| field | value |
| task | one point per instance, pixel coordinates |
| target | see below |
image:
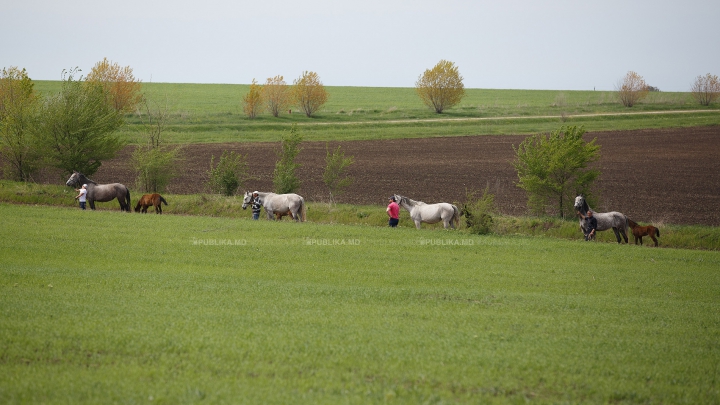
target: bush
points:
(284, 178)
(229, 174)
(478, 212)
(156, 167)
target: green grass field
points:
(213, 113)
(106, 307)
(673, 236)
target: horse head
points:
(247, 199)
(74, 180)
(580, 203)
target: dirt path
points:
(666, 176)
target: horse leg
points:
(92, 204)
(617, 234)
(652, 236)
(417, 224)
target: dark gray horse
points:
(101, 192)
(605, 220)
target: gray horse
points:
(430, 213)
(101, 192)
(605, 220)
(279, 203)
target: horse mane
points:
(632, 223)
(586, 207)
(86, 179)
(409, 200)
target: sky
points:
(501, 44)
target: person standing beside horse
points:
(590, 225)
(82, 196)
(256, 206)
(393, 211)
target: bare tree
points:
(706, 89)
(631, 89)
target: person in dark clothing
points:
(255, 205)
(590, 225)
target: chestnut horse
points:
(150, 199)
(279, 215)
(640, 231)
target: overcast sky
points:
(500, 44)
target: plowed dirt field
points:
(669, 176)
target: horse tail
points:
(303, 210)
(163, 200)
(657, 231)
(456, 216)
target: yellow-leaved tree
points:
(122, 89)
(631, 89)
(309, 93)
(253, 100)
(276, 94)
(441, 87)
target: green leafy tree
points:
(253, 100)
(309, 93)
(285, 179)
(441, 87)
(335, 177)
(229, 174)
(154, 162)
(78, 127)
(554, 169)
(18, 113)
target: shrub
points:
(706, 89)
(229, 174)
(479, 211)
(631, 89)
(284, 178)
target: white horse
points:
(605, 220)
(430, 213)
(279, 203)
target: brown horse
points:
(640, 231)
(150, 199)
(279, 215)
